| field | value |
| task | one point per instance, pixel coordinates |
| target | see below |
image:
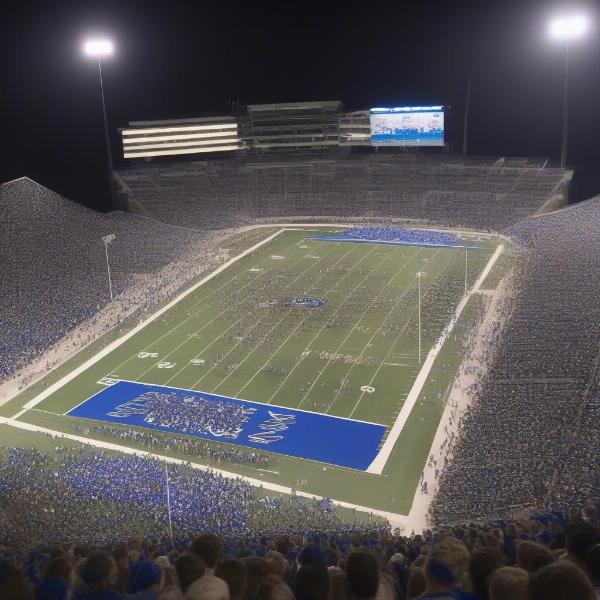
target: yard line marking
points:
(367, 309)
(383, 455)
(191, 316)
(300, 359)
(295, 329)
(229, 307)
(412, 371)
(51, 389)
(391, 311)
(263, 319)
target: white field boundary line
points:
(300, 323)
(192, 315)
(265, 317)
(393, 518)
(245, 315)
(459, 398)
(382, 457)
(285, 226)
(118, 342)
(323, 327)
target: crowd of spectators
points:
(531, 438)
(401, 234)
(185, 446)
(448, 190)
(90, 497)
(547, 556)
(53, 270)
(193, 413)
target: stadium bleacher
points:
(516, 515)
(442, 189)
(531, 438)
(53, 270)
(225, 541)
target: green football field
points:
(238, 335)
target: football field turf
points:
(296, 327)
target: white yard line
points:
(191, 316)
(259, 321)
(300, 359)
(229, 306)
(259, 371)
(382, 457)
(391, 311)
(393, 518)
(367, 309)
(118, 342)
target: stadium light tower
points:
(100, 48)
(565, 29)
(107, 239)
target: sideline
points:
(395, 520)
(378, 464)
(108, 349)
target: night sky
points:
(178, 59)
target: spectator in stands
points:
(593, 567)
(482, 563)
(531, 556)
(121, 556)
(274, 588)
(581, 539)
(312, 583)
(59, 581)
(364, 577)
(233, 572)
(98, 573)
(208, 587)
(257, 570)
(509, 582)
(209, 548)
(446, 568)
(561, 580)
(189, 568)
(13, 583)
(148, 581)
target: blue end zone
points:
(288, 431)
(390, 242)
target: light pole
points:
(100, 48)
(466, 268)
(107, 239)
(419, 275)
(565, 29)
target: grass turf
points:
(255, 346)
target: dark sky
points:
(180, 59)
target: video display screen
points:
(407, 126)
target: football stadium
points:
(310, 352)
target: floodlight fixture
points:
(98, 47)
(569, 27)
